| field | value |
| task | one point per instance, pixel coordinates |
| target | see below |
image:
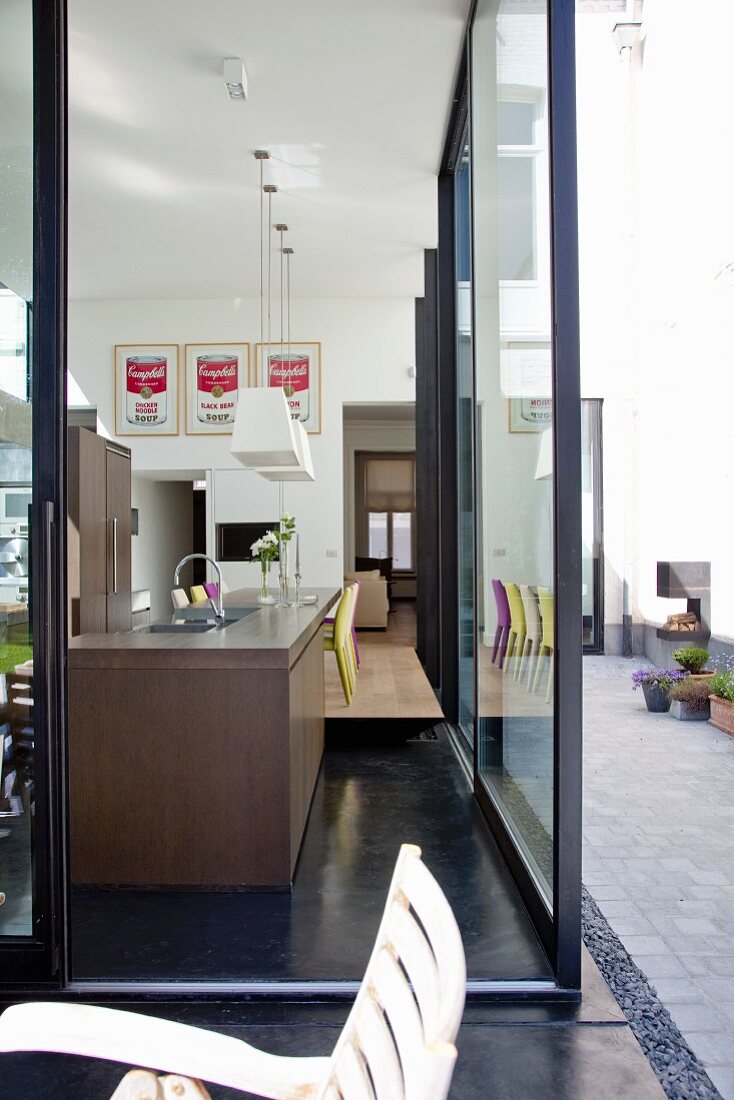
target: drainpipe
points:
(626, 37)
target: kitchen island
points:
(194, 752)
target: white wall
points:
(165, 524)
(367, 347)
(657, 293)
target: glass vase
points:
(283, 581)
(265, 595)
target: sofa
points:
(372, 605)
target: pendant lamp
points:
(263, 433)
(304, 470)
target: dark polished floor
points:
(521, 1051)
(367, 802)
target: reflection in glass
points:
(591, 529)
(511, 279)
(16, 644)
(465, 439)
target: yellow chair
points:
(548, 640)
(338, 640)
(198, 593)
(518, 628)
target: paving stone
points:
(711, 1047)
(696, 1017)
(723, 1078)
(639, 946)
(674, 991)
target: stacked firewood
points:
(684, 622)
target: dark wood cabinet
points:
(99, 534)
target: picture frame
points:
(306, 368)
(146, 390)
(530, 414)
(214, 373)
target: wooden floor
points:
(391, 681)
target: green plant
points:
(691, 657)
(287, 526)
(693, 692)
(722, 682)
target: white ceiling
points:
(351, 97)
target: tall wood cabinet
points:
(99, 534)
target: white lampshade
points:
(264, 434)
(304, 470)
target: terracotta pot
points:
(722, 715)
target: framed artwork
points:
(215, 373)
(530, 414)
(296, 367)
(146, 389)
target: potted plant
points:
(692, 659)
(721, 687)
(689, 700)
(655, 684)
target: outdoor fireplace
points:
(690, 581)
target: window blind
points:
(389, 484)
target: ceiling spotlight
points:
(235, 77)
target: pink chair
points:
(211, 589)
(503, 622)
(330, 619)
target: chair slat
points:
(138, 1084)
(378, 1047)
(436, 916)
(183, 1088)
(351, 1074)
(396, 998)
(414, 952)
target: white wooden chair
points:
(397, 1042)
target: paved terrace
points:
(659, 853)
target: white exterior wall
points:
(657, 293)
(367, 347)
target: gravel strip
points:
(677, 1068)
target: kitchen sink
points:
(178, 628)
(204, 613)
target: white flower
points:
(256, 547)
(270, 539)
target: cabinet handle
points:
(114, 556)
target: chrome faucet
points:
(218, 610)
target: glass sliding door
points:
(17, 688)
(465, 442)
(30, 460)
(514, 392)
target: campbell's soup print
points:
(216, 388)
(293, 373)
(146, 385)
